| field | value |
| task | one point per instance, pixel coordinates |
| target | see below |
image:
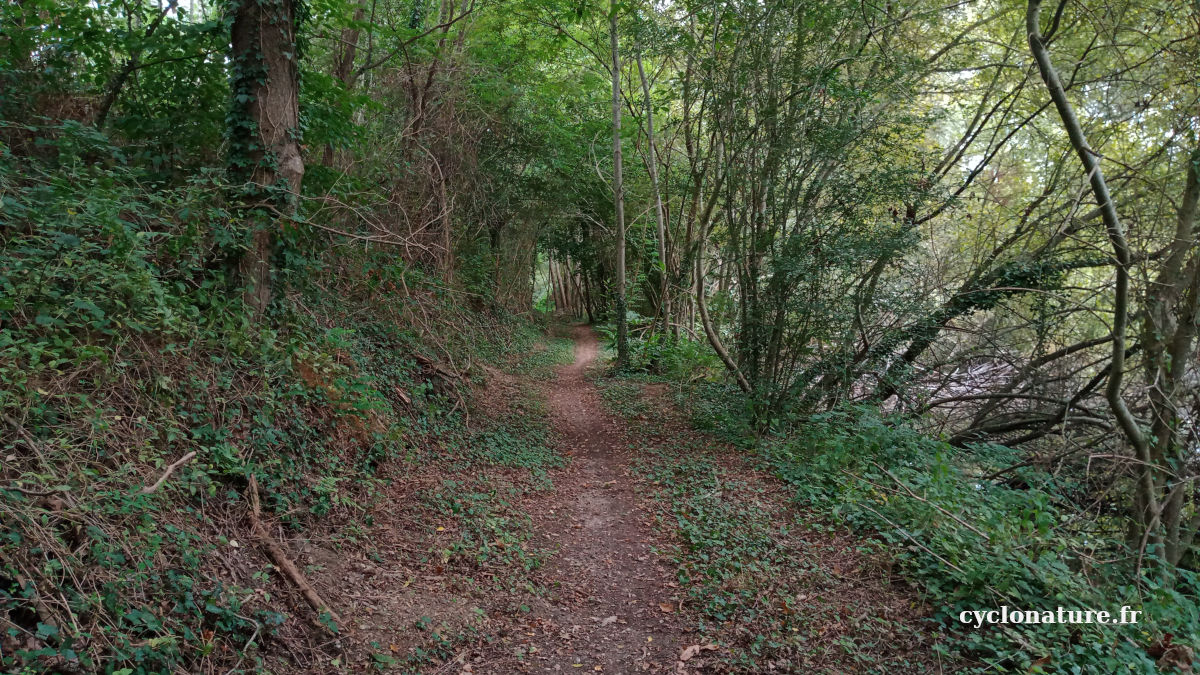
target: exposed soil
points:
(615, 598)
(606, 598)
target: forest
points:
(523, 336)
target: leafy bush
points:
(720, 408)
(975, 544)
(124, 346)
(675, 358)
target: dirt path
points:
(612, 592)
(607, 564)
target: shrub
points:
(973, 543)
(124, 346)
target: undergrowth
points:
(124, 347)
(974, 543)
(751, 581)
(540, 361)
(966, 541)
(496, 464)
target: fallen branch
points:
(452, 379)
(167, 474)
(282, 561)
(36, 493)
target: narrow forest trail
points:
(808, 597)
(611, 587)
(635, 533)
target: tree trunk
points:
(618, 192)
(265, 154)
(713, 339)
(587, 300)
(343, 65)
(577, 285)
(1168, 335)
(664, 299)
(1147, 509)
(113, 90)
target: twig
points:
(167, 474)
(912, 539)
(919, 498)
(282, 561)
(36, 493)
(242, 656)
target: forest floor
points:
(640, 546)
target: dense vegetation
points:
(935, 266)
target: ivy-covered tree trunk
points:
(265, 161)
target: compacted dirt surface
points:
(588, 578)
(615, 597)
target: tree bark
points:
(343, 65)
(710, 333)
(1169, 333)
(1147, 509)
(664, 299)
(618, 192)
(265, 155)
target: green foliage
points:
(482, 527)
(490, 530)
(123, 347)
(519, 438)
(721, 409)
(752, 578)
(444, 644)
(675, 358)
(623, 396)
(728, 543)
(838, 143)
(973, 544)
(539, 356)
(503, 447)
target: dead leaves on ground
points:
(687, 654)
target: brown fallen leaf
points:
(1037, 664)
(689, 652)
